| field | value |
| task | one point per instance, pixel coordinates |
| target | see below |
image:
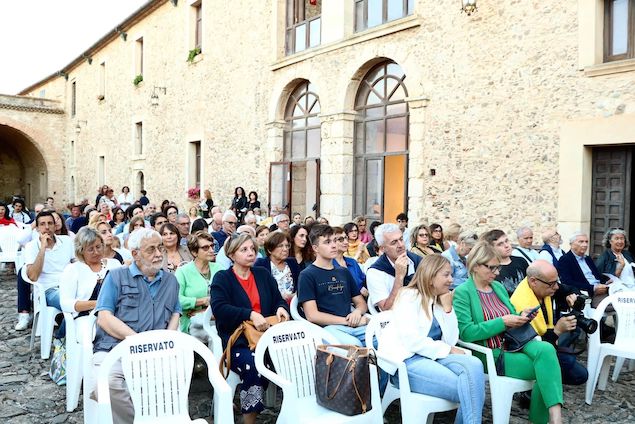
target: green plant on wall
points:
(137, 79)
(193, 53)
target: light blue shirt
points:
(588, 274)
(459, 269)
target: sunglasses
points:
(206, 247)
(492, 268)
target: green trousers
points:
(537, 361)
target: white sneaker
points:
(24, 320)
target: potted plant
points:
(193, 53)
(193, 193)
(137, 80)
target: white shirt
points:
(78, 282)
(380, 284)
(533, 255)
(547, 257)
(123, 198)
(407, 332)
(55, 259)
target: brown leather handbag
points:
(251, 334)
(342, 378)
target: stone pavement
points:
(27, 395)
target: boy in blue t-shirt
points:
(326, 292)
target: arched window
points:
(381, 143)
(294, 183)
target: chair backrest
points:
(624, 304)
(9, 243)
(292, 346)
(157, 367)
(294, 307)
(371, 306)
(377, 323)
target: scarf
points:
(524, 298)
(352, 250)
(8, 221)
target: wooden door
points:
(610, 202)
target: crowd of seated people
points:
(442, 286)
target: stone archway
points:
(24, 170)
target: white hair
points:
(280, 217)
(575, 235)
(521, 231)
(137, 236)
(383, 229)
(228, 214)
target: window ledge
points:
(609, 68)
(407, 22)
(138, 157)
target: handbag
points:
(57, 371)
(248, 329)
(514, 340)
(342, 378)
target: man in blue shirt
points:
(134, 299)
(326, 292)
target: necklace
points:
(205, 274)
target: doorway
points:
(612, 191)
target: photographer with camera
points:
(542, 288)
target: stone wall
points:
(487, 94)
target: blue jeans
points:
(53, 299)
(348, 335)
(457, 378)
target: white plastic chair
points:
(598, 362)
(371, 307)
(294, 307)
(43, 316)
(502, 388)
(9, 244)
(216, 346)
(294, 363)
(159, 379)
(415, 407)
(76, 331)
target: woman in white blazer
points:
(423, 334)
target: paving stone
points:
(8, 411)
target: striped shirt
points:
(493, 308)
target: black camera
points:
(587, 325)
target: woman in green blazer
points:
(484, 312)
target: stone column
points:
(337, 167)
(416, 160)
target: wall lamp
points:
(78, 127)
(154, 98)
(468, 6)
(122, 34)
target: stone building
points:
(520, 113)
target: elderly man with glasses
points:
(183, 225)
(542, 288)
(133, 299)
(229, 226)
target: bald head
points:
(542, 277)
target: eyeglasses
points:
(172, 213)
(232, 223)
(437, 231)
(492, 268)
(548, 283)
(284, 246)
(150, 250)
(206, 247)
(283, 220)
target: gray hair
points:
(606, 241)
(183, 215)
(383, 229)
(280, 217)
(575, 235)
(84, 238)
(250, 218)
(227, 215)
(468, 237)
(246, 229)
(138, 236)
(521, 230)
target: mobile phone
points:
(534, 310)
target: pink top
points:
(365, 237)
